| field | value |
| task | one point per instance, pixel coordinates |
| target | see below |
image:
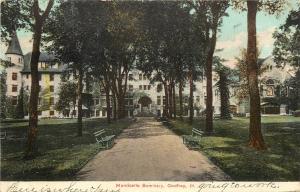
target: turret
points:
(14, 52)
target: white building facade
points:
(144, 98)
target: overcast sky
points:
(232, 38)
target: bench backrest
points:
(99, 133)
(197, 132)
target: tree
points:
(20, 106)
(72, 32)
(67, 97)
(3, 64)
(225, 80)
(3, 94)
(27, 14)
(255, 136)
(287, 41)
(210, 13)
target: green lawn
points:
(62, 154)
(228, 148)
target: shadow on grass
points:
(228, 149)
(62, 153)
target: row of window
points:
(141, 77)
(186, 99)
(144, 87)
(45, 100)
(20, 60)
(47, 65)
(14, 100)
(14, 76)
(15, 88)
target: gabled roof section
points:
(14, 46)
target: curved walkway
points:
(148, 151)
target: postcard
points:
(119, 96)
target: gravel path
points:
(148, 151)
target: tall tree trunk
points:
(224, 96)
(180, 100)
(32, 148)
(79, 103)
(255, 136)
(174, 100)
(34, 93)
(209, 100)
(107, 92)
(121, 107)
(170, 100)
(166, 107)
(114, 107)
(191, 100)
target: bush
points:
(297, 113)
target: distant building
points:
(143, 98)
(271, 84)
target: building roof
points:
(14, 46)
(44, 57)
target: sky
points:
(232, 37)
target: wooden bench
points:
(106, 141)
(192, 140)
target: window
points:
(141, 87)
(14, 100)
(51, 100)
(27, 88)
(40, 101)
(103, 112)
(270, 91)
(164, 100)
(130, 87)
(39, 112)
(130, 77)
(40, 77)
(158, 100)
(140, 77)
(145, 87)
(51, 113)
(27, 76)
(51, 77)
(14, 88)
(9, 59)
(159, 88)
(186, 99)
(145, 77)
(216, 92)
(149, 87)
(40, 88)
(198, 98)
(14, 76)
(97, 101)
(20, 60)
(51, 88)
(97, 113)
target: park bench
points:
(192, 140)
(106, 141)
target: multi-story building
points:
(143, 97)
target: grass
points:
(62, 153)
(228, 148)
